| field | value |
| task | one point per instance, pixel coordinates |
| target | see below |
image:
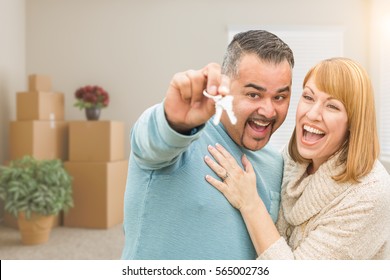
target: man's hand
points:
(185, 105)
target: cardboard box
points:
(98, 193)
(96, 141)
(39, 82)
(40, 139)
(39, 105)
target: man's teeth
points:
(312, 130)
(259, 123)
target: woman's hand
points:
(237, 185)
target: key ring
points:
(213, 97)
(222, 103)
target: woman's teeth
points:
(313, 130)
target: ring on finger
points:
(224, 177)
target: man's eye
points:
(253, 95)
(280, 97)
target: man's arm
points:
(164, 131)
(154, 143)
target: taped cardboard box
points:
(39, 82)
(39, 105)
(96, 141)
(98, 193)
(40, 139)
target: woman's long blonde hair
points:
(347, 81)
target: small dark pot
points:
(92, 114)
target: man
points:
(171, 212)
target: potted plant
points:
(92, 99)
(35, 191)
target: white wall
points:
(132, 48)
(12, 65)
(379, 42)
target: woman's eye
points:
(334, 107)
(307, 97)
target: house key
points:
(222, 103)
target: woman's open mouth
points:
(311, 135)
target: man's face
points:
(261, 98)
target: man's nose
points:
(267, 108)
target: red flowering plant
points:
(91, 97)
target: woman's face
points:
(321, 125)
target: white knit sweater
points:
(322, 219)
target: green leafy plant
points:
(30, 185)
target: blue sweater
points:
(170, 211)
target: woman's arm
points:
(239, 187)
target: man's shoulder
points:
(268, 157)
(271, 152)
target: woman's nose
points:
(315, 112)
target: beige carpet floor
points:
(64, 244)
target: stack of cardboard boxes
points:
(97, 165)
(39, 129)
(92, 151)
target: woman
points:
(335, 199)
